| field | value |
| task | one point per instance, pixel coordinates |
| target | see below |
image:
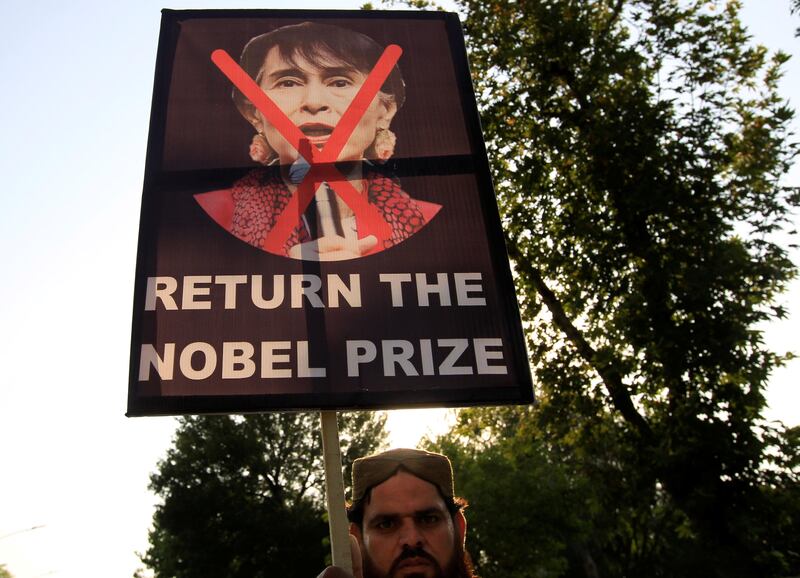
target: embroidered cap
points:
(372, 470)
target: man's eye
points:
(385, 524)
(429, 519)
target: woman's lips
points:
(317, 133)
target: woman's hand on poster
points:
(333, 248)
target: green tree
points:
(242, 496)
(4, 572)
(795, 9)
(638, 149)
(528, 514)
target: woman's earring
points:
(260, 151)
(384, 144)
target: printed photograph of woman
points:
(312, 72)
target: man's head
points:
(406, 518)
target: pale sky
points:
(75, 109)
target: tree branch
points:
(620, 396)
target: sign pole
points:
(334, 492)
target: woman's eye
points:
(287, 83)
(340, 83)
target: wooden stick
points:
(334, 492)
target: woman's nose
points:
(314, 98)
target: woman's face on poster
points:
(314, 96)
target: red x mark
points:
(370, 221)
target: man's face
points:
(407, 531)
(315, 95)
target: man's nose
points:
(314, 98)
(410, 534)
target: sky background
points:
(74, 111)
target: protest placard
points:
(319, 228)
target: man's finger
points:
(335, 572)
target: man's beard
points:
(453, 569)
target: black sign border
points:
(364, 400)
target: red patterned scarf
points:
(261, 195)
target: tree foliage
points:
(526, 509)
(795, 9)
(242, 496)
(638, 148)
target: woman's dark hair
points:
(317, 42)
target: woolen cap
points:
(372, 470)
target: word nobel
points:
(201, 291)
(282, 359)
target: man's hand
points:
(333, 248)
(334, 572)
(355, 555)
